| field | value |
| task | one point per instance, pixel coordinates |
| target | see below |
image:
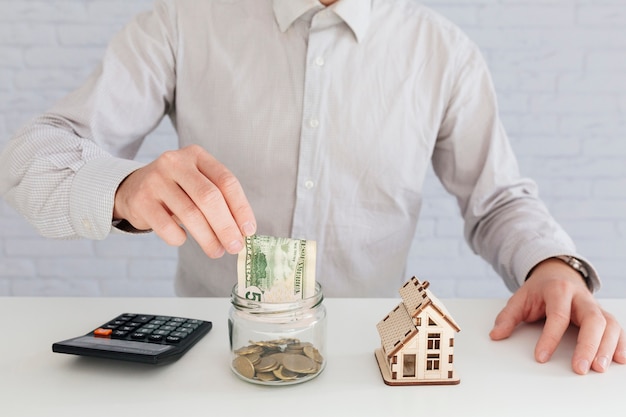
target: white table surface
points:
(497, 378)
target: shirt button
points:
(314, 123)
(86, 224)
(319, 61)
(309, 184)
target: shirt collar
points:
(355, 13)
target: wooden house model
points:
(417, 340)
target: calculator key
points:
(145, 331)
(102, 332)
(138, 336)
(173, 339)
(181, 335)
(184, 330)
(119, 334)
(156, 337)
(143, 319)
(161, 332)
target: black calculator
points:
(145, 338)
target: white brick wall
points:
(560, 70)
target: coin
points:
(313, 353)
(299, 363)
(248, 350)
(254, 357)
(298, 345)
(266, 364)
(278, 356)
(266, 376)
(285, 374)
(244, 367)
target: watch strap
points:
(577, 265)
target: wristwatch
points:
(577, 265)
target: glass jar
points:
(277, 343)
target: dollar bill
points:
(275, 269)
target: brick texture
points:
(560, 71)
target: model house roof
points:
(399, 326)
(416, 296)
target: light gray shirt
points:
(329, 117)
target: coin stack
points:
(278, 361)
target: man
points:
(327, 114)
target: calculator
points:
(146, 338)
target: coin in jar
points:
(285, 374)
(266, 376)
(299, 363)
(313, 353)
(244, 367)
(266, 364)
(249, 350)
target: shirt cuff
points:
(93, 195)
(540, 254)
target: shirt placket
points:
(312, 132)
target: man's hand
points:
(556, 292)
(187, 188)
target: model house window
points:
(434, 341)
(431, 322)
(432, 362)
(408, 369)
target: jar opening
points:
(255, 306)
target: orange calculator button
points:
(102, 333)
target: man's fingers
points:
(590, 334)
(557, 322)
(620, 350)
(162, 223)
(191, 189)
(185, 212)
(609, 344)
(508, 319)
(211, 190)
(173, 210)
(208, 203)
(218, 195)
(231, 190)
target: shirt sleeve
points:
(505, 222)
(61, 171)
